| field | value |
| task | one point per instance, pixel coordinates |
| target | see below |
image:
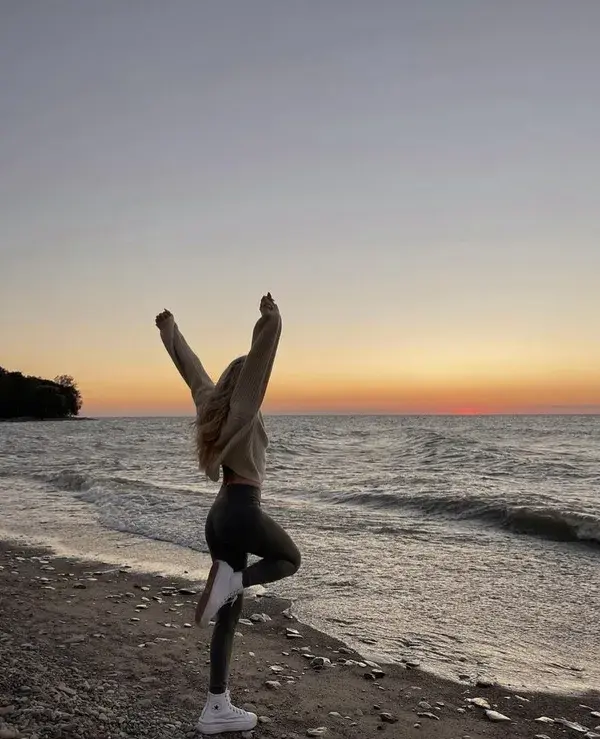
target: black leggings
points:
(235, 527)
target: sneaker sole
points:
(200, 617)
(231, 726)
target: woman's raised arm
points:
(188, 364)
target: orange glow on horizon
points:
(157, 397)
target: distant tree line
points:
(33, 397)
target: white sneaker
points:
(222, 586)
(219, 715)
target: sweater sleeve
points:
(188, 364)
(251, 386)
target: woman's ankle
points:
(217, 691)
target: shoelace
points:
(235, 709)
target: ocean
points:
(468, 544)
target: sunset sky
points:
(415, 182)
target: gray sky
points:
(416, 182)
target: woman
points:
(230, 436)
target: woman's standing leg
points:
(221, 642)
(221, 645)
(219, 715)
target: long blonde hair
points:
(213, 414)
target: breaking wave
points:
(550, 523)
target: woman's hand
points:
(163, 318)
(267, 305)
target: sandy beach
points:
(96, 651)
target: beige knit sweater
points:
(244, 441)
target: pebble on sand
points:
(258, 618)
(573, 725)
(496, 717)
(428, 714)
(388, 718)
(319, 731)
(319, 662)
(480, 702)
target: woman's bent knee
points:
(295, 561)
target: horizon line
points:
(406, 414)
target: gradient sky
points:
(416, 183)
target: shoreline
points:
(96, 651)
